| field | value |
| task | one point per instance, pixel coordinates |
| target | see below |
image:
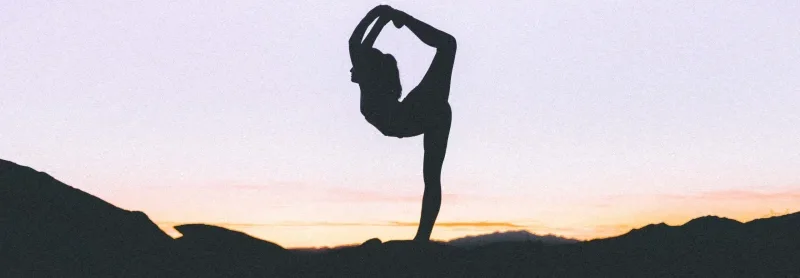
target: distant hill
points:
(509, 237)
(49, 229)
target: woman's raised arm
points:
(361, 28)
(375, 31)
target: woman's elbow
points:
(449, 42)
(354, 42)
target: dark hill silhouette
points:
(712, 222)
(236, 253)
(508, 237)
(215, 239)
(49, 229)
(56, 230)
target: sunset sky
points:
(581, 119)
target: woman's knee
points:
(433, 185)
(447, 112)
(440, 117)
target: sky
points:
(581, 119)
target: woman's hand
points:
(399, 18)
(382, 10)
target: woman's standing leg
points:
(437, 131)
(429, 100)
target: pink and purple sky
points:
(582, 119)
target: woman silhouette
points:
(424, 111)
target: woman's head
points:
(377, 70)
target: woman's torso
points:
(379, 108)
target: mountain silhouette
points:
(219, 240)
(508, 237)
(49, 229)
(56, 230)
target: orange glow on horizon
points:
(446, 230)
(333, 217)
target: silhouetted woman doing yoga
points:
(425, 109)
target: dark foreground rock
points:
(49, 229)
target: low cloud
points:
(738, 195)
(478, 224)
(324, 193)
